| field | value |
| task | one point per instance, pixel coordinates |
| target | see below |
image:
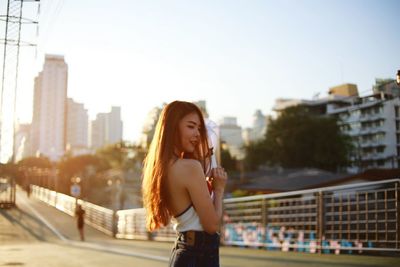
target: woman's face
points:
(189, 129)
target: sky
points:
(238, 56)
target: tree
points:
(83, 166)
(121, 155)
(8, 170)
(38, 162)
(228, 161)
(70, 166)
(256, 154)
(31, 170)
(300, 139)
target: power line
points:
(49, 16)
(9, 81)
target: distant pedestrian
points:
(28, 191)
(80, 219)
(175, 186)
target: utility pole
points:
(8, 97)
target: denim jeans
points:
(203, 252)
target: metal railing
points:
(7, 192)
(96, 216)
(363, 216)
(128, 224)
(354, 217)
(132, 225)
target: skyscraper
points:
(107, 128)
(115, 122)
(49, 108)
(77, 125)
(231, 135)
(22, 147)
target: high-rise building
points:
(98, 130)
(48, 130)
(258, 129)
(203, 107)
(107, 128)
(22, 147)
(231, 136)
(149, 126)
(115, 122)
(77, 125)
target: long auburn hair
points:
(162, 148)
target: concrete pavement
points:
(42, 254)
(35, 234)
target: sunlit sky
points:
(239, 56)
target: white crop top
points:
(188, 220)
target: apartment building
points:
(372, 121)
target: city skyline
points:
(237, 57)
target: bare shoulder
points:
(184, 167)
(187, 163)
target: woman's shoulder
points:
(186, 166)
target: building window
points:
(356, 113)
(356, 126)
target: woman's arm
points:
(210, 212)
(219, 179)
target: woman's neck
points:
(178, 154)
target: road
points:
(35, 234)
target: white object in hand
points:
(213, 140)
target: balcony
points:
(373, 143)
(372, 156)
(372, 117)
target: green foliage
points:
(228, 161)
(71, 166)
(38, 162)
(83, 166)
(240, 193)
(89, 168)
(121, 155)
(299, 139)
(8, 170)
(256, 154)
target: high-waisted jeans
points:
(195, 249)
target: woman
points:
(175, 186)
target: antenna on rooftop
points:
(316, 96)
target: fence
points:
(96, 216)
(7, 192)
(128, 224)
(356, 217)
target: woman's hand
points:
(219, 179)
